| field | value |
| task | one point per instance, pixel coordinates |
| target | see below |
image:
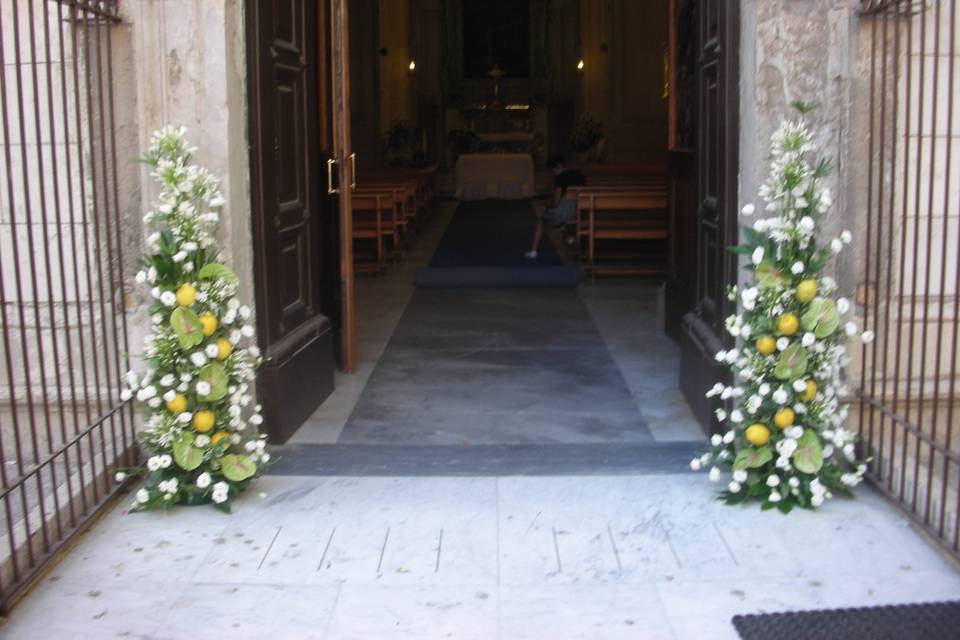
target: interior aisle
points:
(489, 369)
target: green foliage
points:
(237, 467)
(821, 317)
(186, 324)
(808, 457)
(214, 374)
(218, 270)
(185, 454)
(792, 362)
(586, 134)
(752, 457)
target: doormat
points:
(484, 246)
(933, 621)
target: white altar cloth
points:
(505, 176)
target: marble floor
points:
(512, 558)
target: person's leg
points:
(537, 236)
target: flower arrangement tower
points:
(202, 441)
(786, 444)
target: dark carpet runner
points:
(484, 246)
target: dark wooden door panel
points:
(702, 329)
(289, 209)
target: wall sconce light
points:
(580, 65)
(412, 66)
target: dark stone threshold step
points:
(522, 277)
(484, 460)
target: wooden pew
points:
(622, 215)
(368, 212)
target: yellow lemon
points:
(766, 345)
(806, 291)
(788, 324)
(224, 348)
(758, 435)
(186, 294)
(784, 418)
(203, 420)
(810, 392)
(178, 404)
(209, 323)
(217, 437)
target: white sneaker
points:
(530, 254)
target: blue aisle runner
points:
(484, 245)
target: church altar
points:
(505, 176)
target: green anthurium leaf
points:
(769, 276)
(752, 458)
(808, 457)
(237, 468)
(792, 362)
(821, 317)
(185, 454)
(214, 374)
(215, 271)
(186, 324)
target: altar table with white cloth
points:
(506, 176)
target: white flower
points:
(715, 390)
(734, 487)
(120, 477)
(795, 432)
(198, 358)
(808, 339)
(185, 417)
(773, 481)
(153, 403)
(142, 496)
(783, 462)
(203, 388)
(695, 464)
(786, 447)
(201, 441)
(848, 451)
(211, 350)
(867, 337)
(169, 395)
(794, 482)
(152, 275)
(774, 496)
(167, 380)
(780, 396)
(782, 343)
(757, 256)
(221, 486)
(254, 351)
(716, 440)
(843, 305)
(247, 330)
(244, 312)
(799, 385)
(729, 436)
(165, 461)
(189, 246)
(188, 268)
(125, 394)
(797, 268)
(736, 415)
(153, 463)
(846, 237)
(204, 480)
(806, 224)
(748, 209)
(816, 500)
(265, 457)
(721, 415)
(850, 328)
(168, 298)
(141, 277)
(836, 245)
(740, 475)
(179, 256)
(714, 474)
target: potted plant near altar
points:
(462, 140)
(587, 141)
(403, 145)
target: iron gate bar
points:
(39, 519)
(918, 434)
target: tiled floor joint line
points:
(556, 550)
(269, 547)
(726, 544)
(383, 549)
(436, 568)
(616, 553)
(326, 549)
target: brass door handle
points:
(330, 164)
(353, 171)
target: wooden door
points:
(295, 263)
(715, 223)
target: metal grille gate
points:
(63, 333)
(908, 381)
